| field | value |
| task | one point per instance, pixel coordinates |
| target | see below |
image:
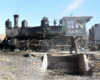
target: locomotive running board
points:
(65, 61)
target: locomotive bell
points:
(16, 21)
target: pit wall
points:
(83, 63)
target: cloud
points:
(72, 6)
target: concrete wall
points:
(83, 63)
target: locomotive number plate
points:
(74, 31)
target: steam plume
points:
(72, 6)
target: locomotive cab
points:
(75, 25)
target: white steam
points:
(72, 6)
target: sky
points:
(34, 10)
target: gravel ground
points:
(15, 66)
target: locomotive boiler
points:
(44, 36)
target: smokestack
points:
(16, 21)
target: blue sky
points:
(34, 10)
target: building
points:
(3, 36)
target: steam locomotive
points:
(44, 36)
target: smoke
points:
(72, 6)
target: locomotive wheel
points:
(45, 45)
(21, 45)
(34, 45)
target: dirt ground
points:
(17, 66)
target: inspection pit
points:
(72, 64)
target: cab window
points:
(79, 24)
(63, 23)
(70, 24)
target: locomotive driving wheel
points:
(34, 45)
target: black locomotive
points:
(94, 37)
(44, 36)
